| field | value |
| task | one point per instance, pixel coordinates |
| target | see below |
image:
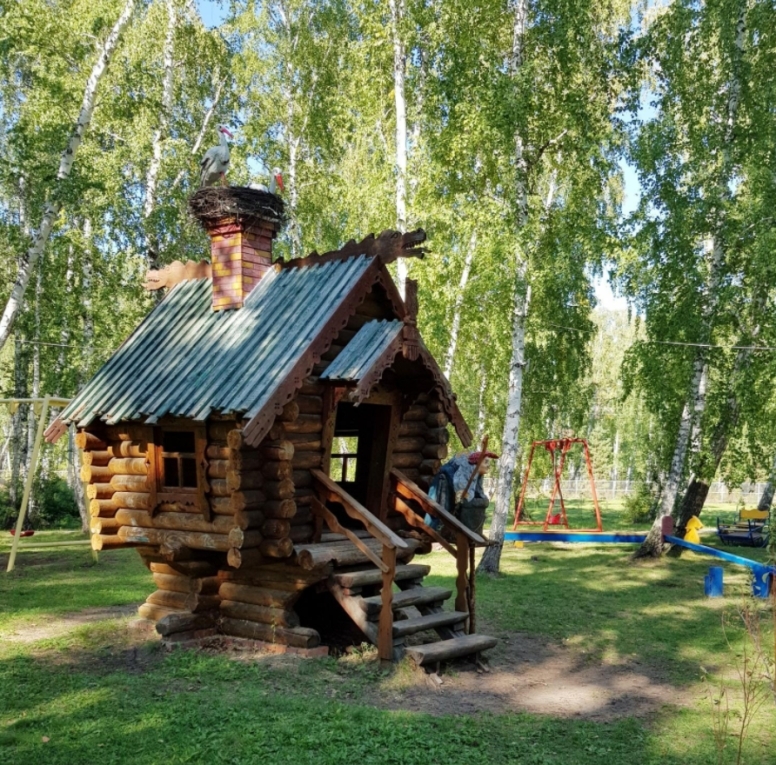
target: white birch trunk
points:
(766, 499)
(456, 325)
(481, 403)
(87, 271)
(399, 70)
(52, 208)
(509, 446)
(157, 142)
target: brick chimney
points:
(242, 224)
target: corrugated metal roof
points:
(187, 360)
(366, 347)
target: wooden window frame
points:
(190, 497)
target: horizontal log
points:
(278, 449)
(129, 449)
(406, 460)
(179, 601)
(413, 428)
(244, 539)
(290, 412)
(207, 603)
(84, 440)
(221, 524)
(174, 623)
(279, 508)
(435, 405)
(104, 525)
(277, 548)
(244, 481)
(279, 489)
(307, 460)
(173, 539)
(132, 500)
(305, 442)
(346, 553)
(410, 444)
(154, 612)
(217, 468)
(218, 487)
(191, 569)
(311, 386)
(297, 637)
(177, 583)
(220, 430)
(99, 491)
(277, 470)
(334, 350)
(303, 479)
(128, 466)
(98, 457)
(221, 505)
(102, 507)
(248, 500)
(128, 431)
(435, 451)
(279, 576)
(302, 533)
(305, 423)
(416, 412)
(310, 404)
(108, 542)
(303, 515)
(262, 614)
(216, 452)
(246, 459)
(429, 467)
(248, 519)
(437, 420)
(130, 483)
(257, 595)
(95, 473)
(274, 528)
(437, 436)
(237, 558)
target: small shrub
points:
(641, 506)
(56, 504)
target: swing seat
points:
(26, 533)
(555, 520)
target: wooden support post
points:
(385, 628)
(462, 566)
(28, 482)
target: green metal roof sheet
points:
(187, 360)
(366, 347)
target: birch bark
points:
(766, 500)
(507, 463)
(150, 242)
(398, 10)
(54, 206)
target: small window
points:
(179, 460)
(344, 460)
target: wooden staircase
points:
(366, 593)
(416, 609)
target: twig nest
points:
(214, 203)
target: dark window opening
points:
(179, 460)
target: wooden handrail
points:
(410, 490)
(358, 512)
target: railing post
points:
(462, 565)
(385, 631)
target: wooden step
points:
(444, 650)
(352, 579)
(428, 622)
(417, 596)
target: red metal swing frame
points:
(555, 446)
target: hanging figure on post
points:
(457, 487)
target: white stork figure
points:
(216, 161)
(275, 182)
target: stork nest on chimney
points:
(214, 203)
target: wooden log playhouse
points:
(212, 443)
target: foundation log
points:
(154, 612)
(302, 533)
(174, 623)
(178, 601)
(178, 583)
(260, 614)
(298, 637)
(276, 548)
(258, 596)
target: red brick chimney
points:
(241, 223)
(241, 253)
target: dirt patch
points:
(57, 626)
(530, 674)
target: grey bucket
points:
(471, 512)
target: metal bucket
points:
(471, 513)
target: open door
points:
(359, 453)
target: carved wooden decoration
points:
(175, 273)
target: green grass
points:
(101, 698)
